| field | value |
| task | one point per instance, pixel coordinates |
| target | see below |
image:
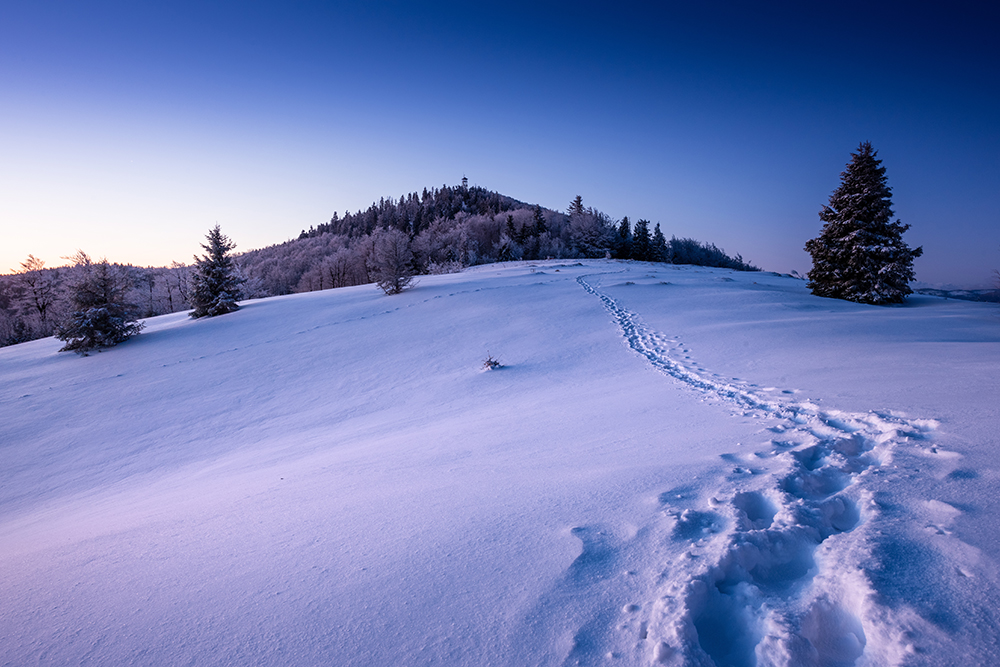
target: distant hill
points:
(986, 295)
(457, 226)
(414, 212)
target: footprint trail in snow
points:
(769, 566)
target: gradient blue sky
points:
(128, 129)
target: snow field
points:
(331, 478)
(779, 576)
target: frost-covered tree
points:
(101, 315)
(37, 290)
(589, 234)
(507, 249)
(172, 287)
(13, 329)
(860, 254)
(145, 285)
(216, 282)
(391, 260)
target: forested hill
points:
(415, 211)
(434, 231)
(456, 226)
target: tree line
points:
(35, 301)
(92, 304)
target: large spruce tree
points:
(216, 281)
(860, 254)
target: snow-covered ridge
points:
(330, 478)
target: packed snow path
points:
(770, 570)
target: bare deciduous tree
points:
(38, 289)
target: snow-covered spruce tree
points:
(390, 263)
(216, 283)
(860, 254)
(101, 316)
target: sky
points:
(129, 129)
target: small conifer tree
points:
(216, 284)
(860, 254)
(101, 315)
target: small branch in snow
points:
(491, 363)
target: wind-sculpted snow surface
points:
(771, 568)
(332, 478)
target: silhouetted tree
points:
(624, 240)
(539, 221)
(658, 251)
(689, 251)
(860, 254)
(640, 241)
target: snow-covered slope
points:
(676, 465)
